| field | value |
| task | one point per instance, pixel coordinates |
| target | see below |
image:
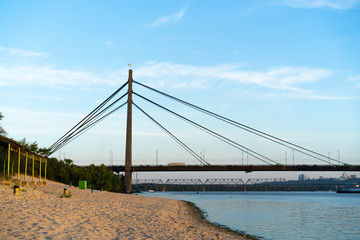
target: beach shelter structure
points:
(14, 156)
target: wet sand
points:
(40, 213)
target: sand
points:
(40, 213)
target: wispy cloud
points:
(168, 19)
(20, 53)
(285, 78)
(309, 95)
(47, 76)
(19, 114)
(282, 81)
(36, 97)
(334, 4)
(37, 122)
(180, 75)
(356, 80)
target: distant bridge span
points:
(238, 168)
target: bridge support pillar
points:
(203, 188)
(289, 188)
(244, 188)
(163, 188)
(128, 150)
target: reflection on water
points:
(280, 215)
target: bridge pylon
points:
(128, 150)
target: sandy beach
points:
(40, 213)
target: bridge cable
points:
(89, 126)
(90, 114)
(245, 127)
(217, 135)
(200, 159)
(88, 121)
(86, 128)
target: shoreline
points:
(40, 212)
(199, 215)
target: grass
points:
(66, 195)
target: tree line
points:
(64, 171)
(97, 177)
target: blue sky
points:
(290, 68)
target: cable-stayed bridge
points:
(117, 101)
(240, 168)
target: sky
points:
(290, 68)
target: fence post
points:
(40, 171)
(4, 172)
(18, 177)
(45, 168)
(33, 168)
(26, 159)
(8, 167)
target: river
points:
(279, 215)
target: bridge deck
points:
(250, 168)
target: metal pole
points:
(157, 158)
(12, 166)
(33, 168)
(18, 177)
(45, 168)
(40, 170)
(26, 159)
(4, 172)
(128, 151)
(9, 152)
(242, 158)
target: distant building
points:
(353, 176)
(302, 177)
(345, 175)
(176, 164)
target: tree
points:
(34, 147)
(2, 131)
(68, 162)
(30, 146)
(44, 151)
(64, 172)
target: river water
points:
(279, 215)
